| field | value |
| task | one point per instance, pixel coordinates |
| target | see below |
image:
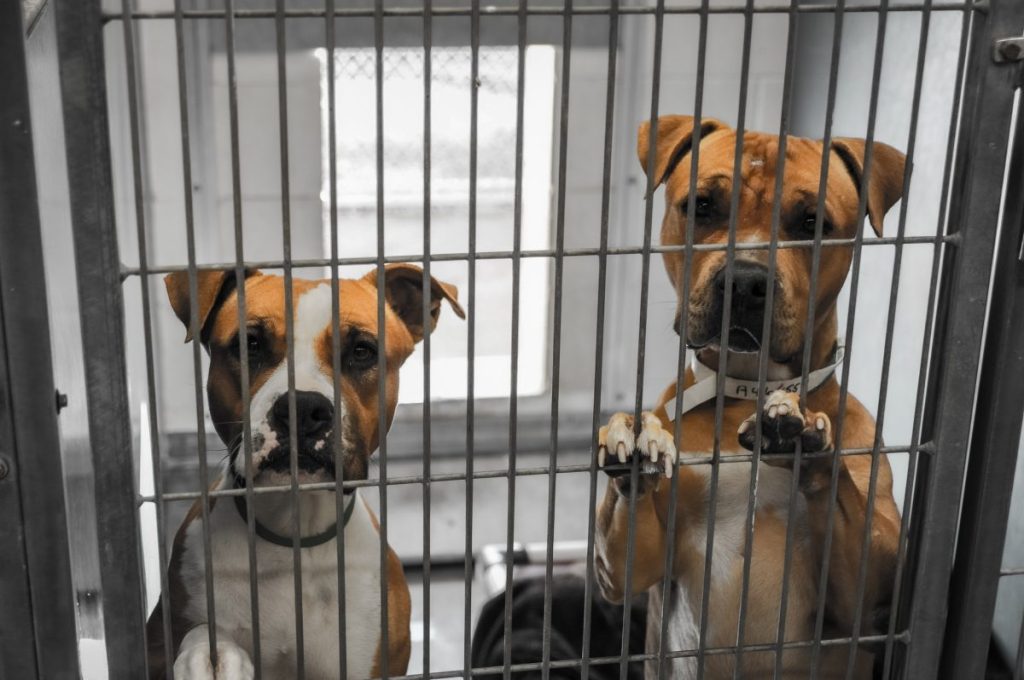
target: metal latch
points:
(1008, 49)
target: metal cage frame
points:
(958, 491)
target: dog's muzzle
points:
(314, 418)
(750, 285)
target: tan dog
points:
(268, 410)
(784, 420)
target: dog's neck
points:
(746, 365)
(317, 511)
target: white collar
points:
(705, 385)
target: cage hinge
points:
(1008, 49)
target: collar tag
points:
(705, 385)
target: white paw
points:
(194, 663)
(654, 445)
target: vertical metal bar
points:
(243, 353)
(80, 47)
(994, 448)
(989, 99)
(933, 288)
(428, 40)
(289, 325)
(37, 627)
(730, 258)
(513, 401)
(851, 315)
(1018, 666)
(339, 452)
(890, 326)
(684, 294)
(556, 334)
(805, 369)
(467, 629)
(132, 76)
(641, 348)
(382, 364)
(602, 285)
(634, 479)
(766, 329)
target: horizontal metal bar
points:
(1013, 571)
(550, 10)
(902, 637)
(509, 254)
(690, 458)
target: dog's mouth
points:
(743, 340)
(310, 461)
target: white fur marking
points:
(312, 316)
(276, 594)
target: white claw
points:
(669, 464)
(783, 409)
(652, 449)
(772, 410)
(620, 451)
(744, 426)
(602, 453)
(820, 423)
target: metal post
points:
(984, 134)
(37, 623)
(80, 47)
(993, 454)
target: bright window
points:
(403, 134)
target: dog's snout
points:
(749, 283)
(313, 413)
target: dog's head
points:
(263, 340)
(799, 203)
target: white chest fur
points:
(276, 595)
(731, 506)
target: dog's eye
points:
(703, 207)
(253, 344)
(807, 226)
(364, 354)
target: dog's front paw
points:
(654, 445)
(783, 423)
(194, 663)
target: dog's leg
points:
(783, 422)
(657, 454)
(194, 662)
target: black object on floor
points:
(568, 594)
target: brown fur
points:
(399, 612)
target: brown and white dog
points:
(784, 420)
(264, 341)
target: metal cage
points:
(83, 236)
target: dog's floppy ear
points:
(212, 288)
(403, 290)
(885, 186)
(674, 140)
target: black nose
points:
(749, 283)
(313, 414)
